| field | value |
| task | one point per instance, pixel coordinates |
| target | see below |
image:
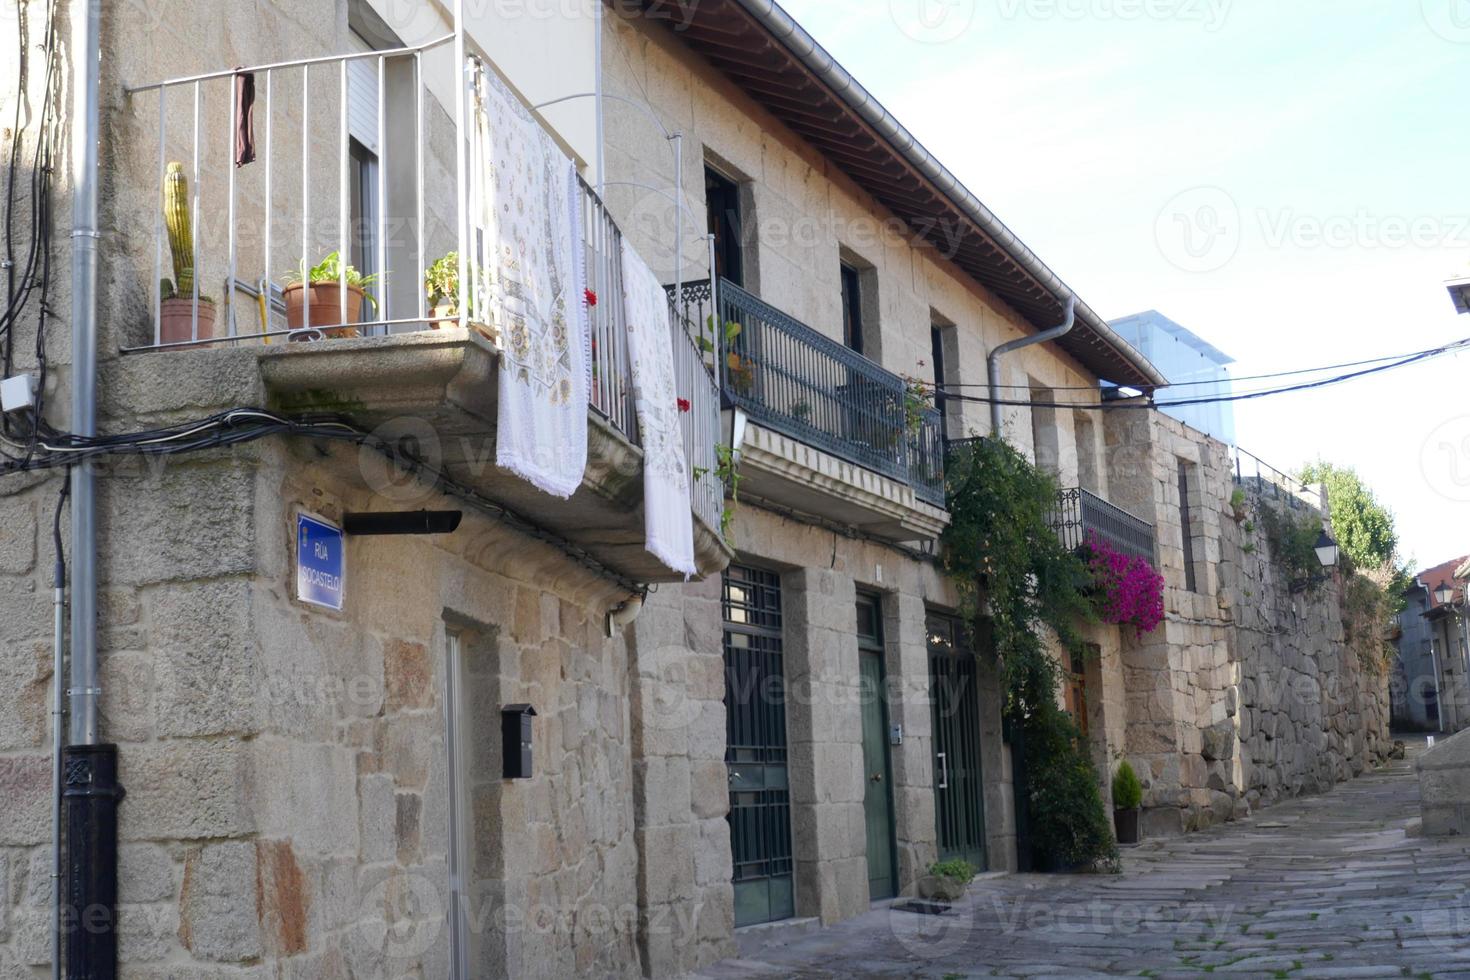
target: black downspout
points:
(89, 919)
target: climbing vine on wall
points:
(1008, 564)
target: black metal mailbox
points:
(515, 734)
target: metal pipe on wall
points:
(84, 236)
(992, 362)
(89, 776)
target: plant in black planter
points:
(1127, 799)
(947, 880)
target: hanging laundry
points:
(244, 118)
(667, 515)
(528, 287)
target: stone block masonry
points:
(1247, 693)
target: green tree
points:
(1363, 526)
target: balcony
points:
(1081, 514)
(401, 360)
(832, 433)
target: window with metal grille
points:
(755, 746)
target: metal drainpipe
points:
(84, 235)
(90, 789)
(992, 362)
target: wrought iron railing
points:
(1080, 514)
(1250, 471)
(791, 378)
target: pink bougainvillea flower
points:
(1130, 592)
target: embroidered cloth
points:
(668, 520)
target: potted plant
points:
(1127, 799)
(947, 881)
(177, 307)
(318, 302)
(441, 286)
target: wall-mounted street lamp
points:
(733, 422)
(1444, 594)
(1327, 554)
(1326, 550)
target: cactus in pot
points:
(177, 309)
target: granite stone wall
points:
(1247, 693)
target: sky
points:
(1290, 181)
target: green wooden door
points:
(877, 800)
(959, 808)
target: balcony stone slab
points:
(438, 391)
(788, 472)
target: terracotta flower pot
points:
(444, 316)
(323, 308)
(176, 322)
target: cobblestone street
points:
(1324, 886)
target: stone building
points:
(1428, 675)
(1248, 693)
(319, 792)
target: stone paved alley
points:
(1324, 886)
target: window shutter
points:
(362, 97)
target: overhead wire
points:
(1150, 403)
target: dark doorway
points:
(722, 206)
(877, 791)
(959, 806)
(852, 308)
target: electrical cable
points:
(242, 425)
(1212, 381)
(1149, 403)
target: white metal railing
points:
(611, 391)
(253, 239)
(699, 391)
(275, 195)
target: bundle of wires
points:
(29, 282)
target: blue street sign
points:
(321, 563)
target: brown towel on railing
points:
(244, 118)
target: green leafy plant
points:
(1001, 547)
(1237, 503)
(1292, 539)
(956, 868)
(441, 280)
(1127, 789)
(918, 400)
(727, 469)
(332, 270)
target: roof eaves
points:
(815, 58)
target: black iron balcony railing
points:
(1080, 513)
(792, 379)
